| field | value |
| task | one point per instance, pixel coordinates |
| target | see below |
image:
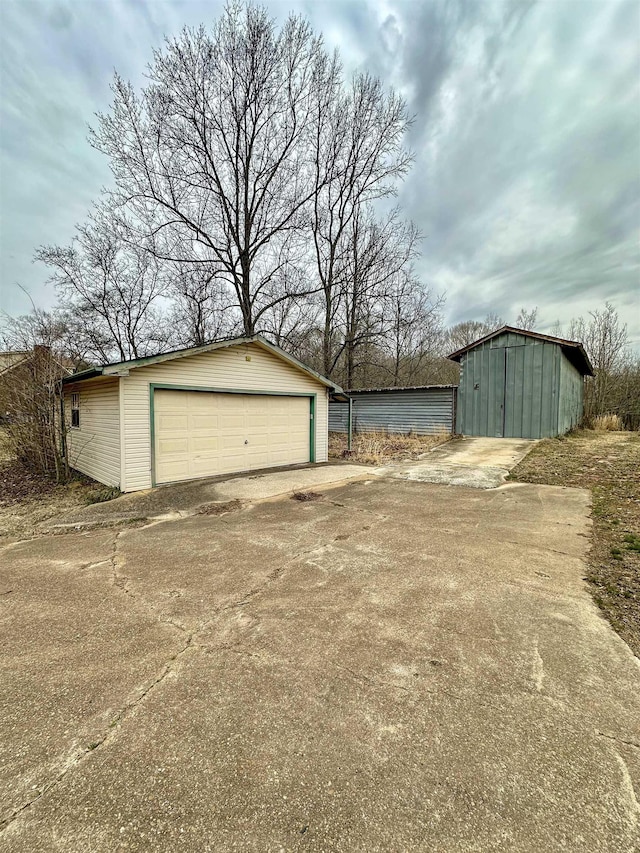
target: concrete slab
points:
(394, 666)
(480, 463)
(183, 499)
(267, 485)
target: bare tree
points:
(377, 254)
(469, 331)
(359, 157)
(606, 342)
(413, 337)
(202, 309)
(215, 153)
(110, 286)
(527, 319)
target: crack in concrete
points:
(120, 581)
(376, 682)
(107, 737)
(537, 667)
(633, 743)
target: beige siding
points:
(224, 368)
(94, 448)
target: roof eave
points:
(118, 368)
(566, 346)
(91, 373)
(295, 363)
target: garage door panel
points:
(203, 421)
(258, 442)
(203, 444)
(173, 422)
(169, 446)
(232, 442)
(172, 470)
(201, 434)
(230, 422)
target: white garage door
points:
(201, 434)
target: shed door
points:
(496, 392)
(202, 433)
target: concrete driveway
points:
(480, 463)
(393, 666)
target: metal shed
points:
(423, 410)
(520, 384)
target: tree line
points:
(252, 192)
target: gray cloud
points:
(527, 136)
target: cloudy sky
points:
(526, 182)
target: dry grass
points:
(607, 423)
(27, 499)
(607, 463)
(379, 448)
(5, 453)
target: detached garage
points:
(520, 384)
(230, 406)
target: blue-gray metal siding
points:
(571, 403)
(518, 387)
(423, 411)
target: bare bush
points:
(29, 406)
(608, 423)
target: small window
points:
(75, 410)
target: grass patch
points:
(607, 463)
(379, 448)
(220, 508)
(27, 499)
(98, 496)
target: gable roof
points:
(11, 360)
(122, 367)
(573, 350)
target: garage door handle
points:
(246, 441)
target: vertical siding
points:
(223, 368)
(481, 409)
(518, 391)
(423, 411)
(571, 404)
(532, 390)
(94, 448)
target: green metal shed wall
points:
(571, 402)
(517, 387)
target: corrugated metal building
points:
(520, 384)
(425, 410)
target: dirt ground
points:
(27, 499)
(380, 448)
(607, 463)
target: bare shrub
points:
(33, 431)
(378, 448)
(608, 423)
